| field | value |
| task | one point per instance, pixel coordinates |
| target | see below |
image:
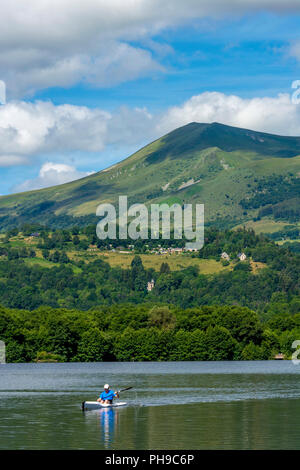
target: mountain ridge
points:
(214, 164)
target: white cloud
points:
(276, 115)
(113, 63)
(29, 129)
(61, 42)
(52, 174)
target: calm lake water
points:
(175, 405)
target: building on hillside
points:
(175, 250)
(92, 248)
(35, 234)
(225, 255)
(150, 285)
(242, 256)
(279, 357)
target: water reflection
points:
(107, 419)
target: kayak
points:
(95, 405)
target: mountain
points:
(239, 174)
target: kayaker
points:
(108, 395)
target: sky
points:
(85, 84)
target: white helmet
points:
(106, 387)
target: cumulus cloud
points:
(29, 129)
(33, 131)
(52, 174)
(278, 115)
(62, 42)
(112, 64)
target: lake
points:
(174, 405)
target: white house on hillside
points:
(150, 285)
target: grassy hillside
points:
(115, 258)
(71, 268)
(230, 170)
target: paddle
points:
(124, 389)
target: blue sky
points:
(82, 96)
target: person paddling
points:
(107, 396)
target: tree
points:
(219, 344)
(140, 345)
(55, 256)
(76, 240)
(162, 317)
(164, 268)
(253, 352)
(242, 323)
(281, 322)
(46, 254)
(64, 258)
(138, 274)
(93, 346)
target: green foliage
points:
(281, 322)
(94, 346)
(189, 346)
(142, 345)
(219, 344)
(44, 356)
(253, 352)
(242, 323)
(139, 333)
(162, 317)
(89, 311)
(27, 282)
(286, 340)
(165, 268)
(243, 266)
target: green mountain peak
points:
(235, 172)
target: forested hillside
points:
(70, 269)
(62, 300)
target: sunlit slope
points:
(213, 164)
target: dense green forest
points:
(87, 310)
(276, 196)
(145, 333)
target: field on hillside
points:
(176, 262)
(123, 260)
(264, 226)
(286, 240)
